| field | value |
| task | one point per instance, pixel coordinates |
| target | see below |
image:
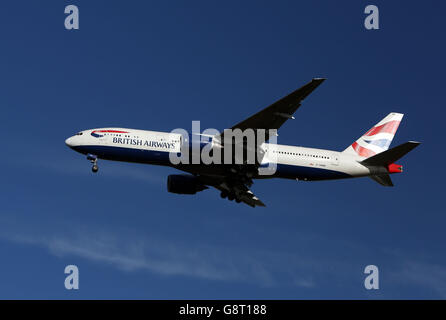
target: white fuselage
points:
(154, 147)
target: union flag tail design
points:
(378, 138)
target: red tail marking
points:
(389, 127)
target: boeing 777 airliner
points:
(368, 156)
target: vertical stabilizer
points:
(378, 138)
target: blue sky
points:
(160, 65)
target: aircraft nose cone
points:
(69, 142)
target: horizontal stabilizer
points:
(383, 180)
(390, 156)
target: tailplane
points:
(387, 158)
(384, 163)
(383, 180)
(378, 138)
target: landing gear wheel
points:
(94, 161)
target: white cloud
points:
(169, 259)
(430, 276)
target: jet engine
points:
(184, 184)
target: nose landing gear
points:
(94, 160)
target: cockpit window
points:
(79, 133)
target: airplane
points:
(368, 156)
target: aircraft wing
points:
(238, 179)
(274, 116)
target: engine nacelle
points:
(184, 184)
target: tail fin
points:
(378, 138)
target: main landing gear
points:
(94, 160)
(231, 196)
